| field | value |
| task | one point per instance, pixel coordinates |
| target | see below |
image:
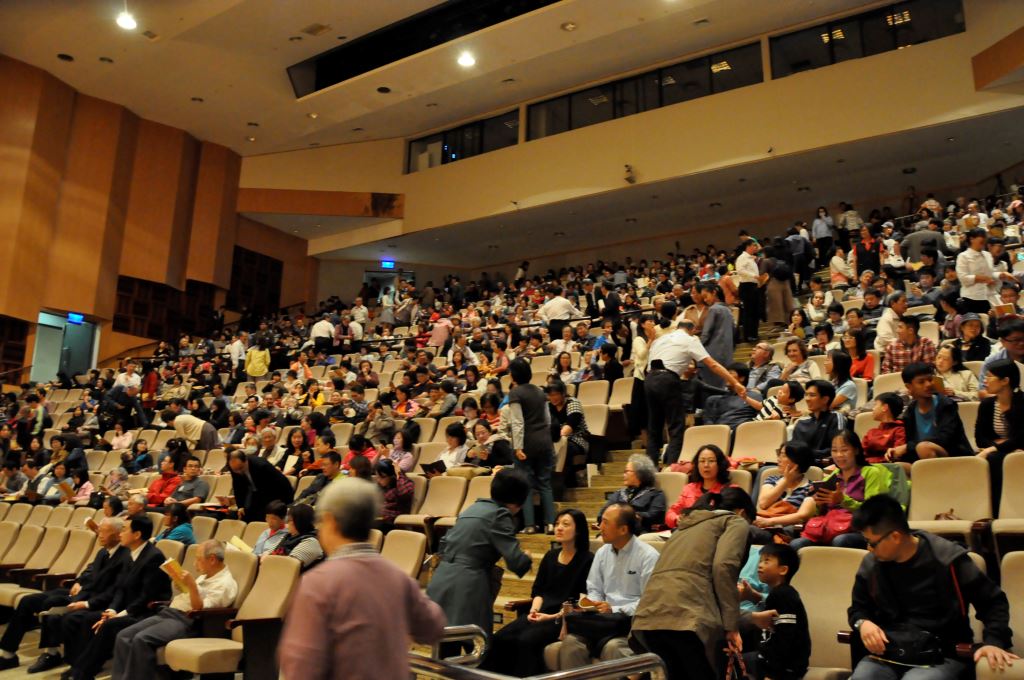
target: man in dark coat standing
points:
(255, 482)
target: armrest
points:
(158, 603)
(235, 623)
(843, 637)
(518, 605)
(26, 572)
(48, 581)
(213, 611)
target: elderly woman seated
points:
(640, 493)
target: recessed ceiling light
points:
(250, 139)
(508, 81)
(106, 60)
(630, 220)
(295, 231)
(392, 245)
(317, 226)
(383, 89)
(313, 115)
(950, 139)
(65, 57)
(126, 21)
(431, 105)
(314, 143)
(295, 38)
(342, 37)
(803, 189)
(909, 170)
(840, 160)
(569, 26)
(742, 179)
(357, 129)
(702, 22)
(715, 204)
(559, 233)
(490, 247)
(253, 124)
(198, 100)
(466, 59)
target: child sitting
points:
(780, 407)
(785, 648)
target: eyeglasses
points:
(874, 544)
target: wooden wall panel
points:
(214, 223)
(298, 282)
(93, 204)
(159, 215)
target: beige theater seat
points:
(888, 382)
(479, 487)
(1013, 586)
(944, 484)
(203, 528)
(18, 514)
(304, 483)
(252, 533)
(825, 581)
(342, 433)
(863, 422)
(429, 452)
(255, 629)
(38, 516)
(405, 549)
(596, 416)
(1009, 528)
(8, 534)
(701, 435)
(227, 528)
(376, 539)
(671, 484)
(216, 459)
(427, 428)
(593, 392)
(171, 549)
(79, 517)
(76, 551)
(622, 394)
(442, 425)
(743, 479)
(158, 521)
(60, 516)
(22, 547)
(759, 439)
(443, 499)
(40, 558)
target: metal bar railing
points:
(422, 666)
(465, 633)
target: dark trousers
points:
(75, 632)
(681, 650)
(97, 647)
(750, 298)
(976, 306)
(824, 251)
(555, 327)
(663, 391)
(26, 616)
(518, 648)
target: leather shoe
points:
(529, 530)
(46, 662)
(7, 663)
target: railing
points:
(424, 667)
(19, 369)
(466, 633)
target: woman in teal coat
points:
(465, 582)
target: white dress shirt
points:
(886, 329)
(558, 308)
(676, 350)
(322, 329)
(619, 577)
(746, 268)
(969, 265)
(360, 313)
(236, 351)
(216, 591)
(126, 381)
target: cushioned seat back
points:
(442, 425)
(24, 545)
(8, 534)
(4, 509)
(76, 551)
(79, 517)
(596, 416)
(1012, 504)
(172, 549)
(622, 392)
(376, 539)
(215, 460)
(252, 532)
(270, 594)
(111, 461)
(158, 521)
(18, 513)
(698, 436)
(242, 566)
(444, 497)
(405, 549)
(304, 483)
(742, 479)
(203, 528)
(593, 392)
(1013, 586)
(222, 487)
(419, 492)
(427, 428)
(430, 452)
(60, 517)
(479, 487)
(46, 552)
(888, 382)
(944, 484)
(227, 528)
(342, 433)
(759, 439)
(671, 484)
(825, 581)
(38, 516)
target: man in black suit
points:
(612, 302)
(89, 635)
(255, 482)
(99, 576)
(588, 301)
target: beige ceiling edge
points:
(355, 237)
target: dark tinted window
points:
(844, 39)
(736, 68)
(500, 131)
(800, 51)
(592, 106)
(548, 118)
(425, 152)
(686, 81)
(461, 142)
(636, 95)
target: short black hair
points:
(142, 524)
(916, 370)
(457, 431)
(510, 487)
(520, 371)
(796, 390)
(912, 322)
(892, 402)
(785, 556)
(881, 514)
(1010, 327)
(334, 457)
(801, 455)
(824, 387)
(277, 509)
(741, 370)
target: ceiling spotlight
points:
(295, 38)
(715, 204)
(250, 139)
(630, 220)
(508, 81)
(490, 247)
(357, 129)
(383, 89)
(313, 115)
(559, 233)
(910, 170)
(569, 26)
(65, 57)
(840, 160)
(253, 124)
(431, 105)
(803, 189)
(950, 139)
(198, 100)
(314, 143)
(125, 19)
(466, 60)
(106, 60)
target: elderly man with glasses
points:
(762, 369)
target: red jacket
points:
(878, 440)
(162, 487)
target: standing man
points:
(335, 619)
(255, 482)
(612, 302)
(668, 357)
(322, 334)
(236, 354)
(750, 295)
(360, 314)
(557, 312)
(589, 300)
(718, 331)
(530, 423)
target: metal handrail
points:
(444, 670)
(464, 633)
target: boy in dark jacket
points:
(785, 648)
(932, 421)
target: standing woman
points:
(999, 429)
(636, 410)
(518, 648)
(868, 253)
(779, 292)
(257, 360)
(839, 270)
(530, 423)
(466, 580)
(691, 601)
(976, 273)
(821, 234)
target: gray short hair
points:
(116, 522)
(644, 469)
(353, 503)
(213, 548)
(139, 498)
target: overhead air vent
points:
(598, 100)
(315, 29)
(150, 36)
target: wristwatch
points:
(857, 624)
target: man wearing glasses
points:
(1011, 336)
(916, 584)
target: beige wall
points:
(935, 84)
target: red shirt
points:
(162, 487)
(878, 440)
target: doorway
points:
(63, 347)
(378, 280)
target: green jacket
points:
(877, 480)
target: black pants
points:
(518, 648)
(75, 632)
(663, 391)
(681, 650)
(977, 306)
(824, 251)
(26, 617)
(750, 298)
(98, 647)
(555, 327)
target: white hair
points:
(353, 503)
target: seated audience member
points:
(782, 406)
(889, 433)
(855, 481)
(161, 488)
(799, 368)
(192, 489)
(382, 607)
(821, 424)
(872, 310)
(331, 470)
(300, 542)
(958, 381)
(518, 648)
(136, 646)
(932, 421)
(50, 488)
(691, 600)
(401, 451)
(972, 344)
(135, 506)
(837, 368)
(617, 578)
(887, 330)
(916, 581)
(490, 448)
(177, 525)
(404, 406)
(443, 398)
(254, 483)
(455, 450)
(908, 347)
(358, 446)
(268, 539)
(824, 340)
(81, 486)
(727, 408)
(1011, 338)
(138, 459)
(787, 498)
(785, 648)
(89, 634)
(640, 493)
(862, 364)
(762, 368)
(398, 493)
(569, 421)
(13, 479)
(709, 469)
(98, 577)
(999, 429)
(296, 445)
